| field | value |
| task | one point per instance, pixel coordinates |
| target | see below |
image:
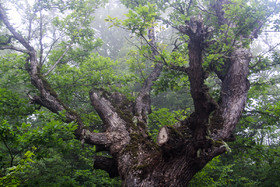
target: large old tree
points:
(213, 40)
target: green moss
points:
(70, 111)
(142, 167)
(137, 140)
(175, 131)
(141, 125)
(219, 142)
(128, 118)
(144, 170)
(215, 122)
(132, 149)
(47, 85)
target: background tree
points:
(213, 40)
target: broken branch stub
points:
(169, 138)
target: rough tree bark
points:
(182, 149)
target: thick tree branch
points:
(113, 117)
(235, 84)
(203, 102)
(19, 37)
(107, 112)
(234, 92)
(14, 48)
(96, 138)
(218, 9)
(104, 108)
(143, 103)
(48, 97)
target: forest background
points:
(39, 149)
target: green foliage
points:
(163, 117)
(265, 62)
(243, 17)
(12, 72)
(213, 174)
(142, 18)
(14, 176)
(36, 147)
(171, 80)
(45, 151)
(12, 105)
(138, 20)
(245, 14)
(179, 11)
(94, 72)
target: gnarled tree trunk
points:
(182, 149)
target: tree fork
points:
(181, 150)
